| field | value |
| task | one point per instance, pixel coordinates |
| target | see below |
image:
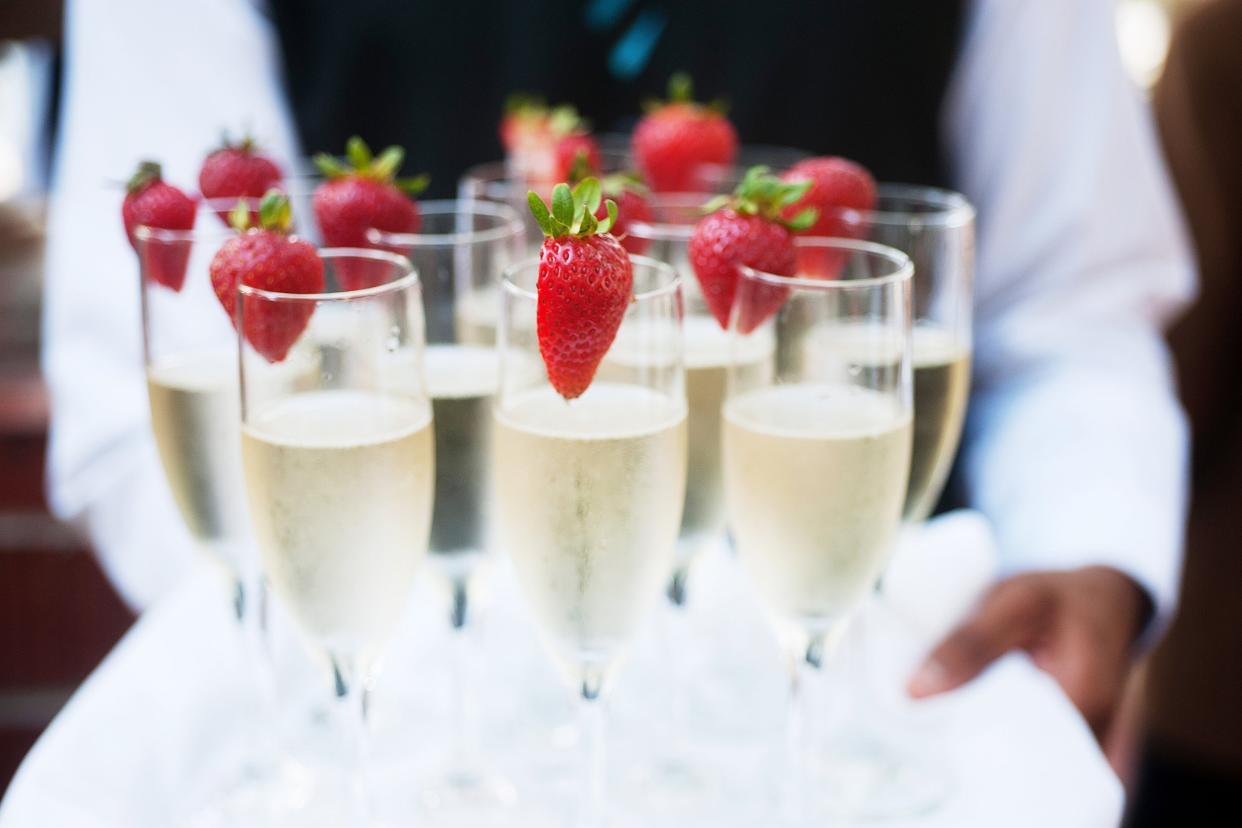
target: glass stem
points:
(677, 656)
(800, 722)
(465, 732)
(351, 714)
(594, 768)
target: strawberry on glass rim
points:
(584, 284)
(632, 198)
(238, 170)
(363, 193)
(543, 145)
(152, 202)
(268, 258)
(748, 228)
(843, 192)
(677, 140)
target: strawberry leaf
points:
(540, 211)
(275, 211)
(589, 193)
(563, 204)
(792, 193)
(715, 204)
(388, 163)
(358, 153)
(413, 185)
(330, 166)
(802, 220)
(148, 172)
(239, 216)
(611, 221)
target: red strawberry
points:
(361, 195)
(584, 286)
(265, 257)
(836, 184)
(238, 171)
(632, 206)
(525, 117)
(751, 232)
(575, 147)
(151, 202)
(674, 141)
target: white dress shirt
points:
(1075, 447)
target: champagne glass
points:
(816, 454)
(339, 467)
(708, 354)
(935, 228)
(589, 492)
(459, 253)
(190, 360)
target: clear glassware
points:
(708, 354)
(460, 251)
(339, 466)
(190, 361)
(816, 450)
(589, 492)
(935, 228)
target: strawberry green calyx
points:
(681, 92)
(565, 120)
(765, 195)
(361, 163)
(246, 144)
(275, 213)
(618, 183)
(148, 172)
(525, 103)
(573, 212)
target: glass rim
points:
(674, 282)
(510, 227)
(147, 233)
(410, 278)
(666, 231)
(950, 209)
(904, 271)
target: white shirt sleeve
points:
(143, 79)
(1075, 446)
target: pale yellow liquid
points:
(340, 489)
(589, 497)
(815, 476)
(195, 413)
(475, 316)
(707, 356)
(941, 388)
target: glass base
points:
(864, 779)
(463, 788)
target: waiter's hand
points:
(1077, 625)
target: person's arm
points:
(1075, 446)
(143, 79)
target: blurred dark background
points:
(1177, 743)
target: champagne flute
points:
(459, 253)
(339, 469)
(935, 228)
(816, 454)
(708, 354)
(589, 492)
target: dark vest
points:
(859, 78)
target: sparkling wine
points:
(195, 412)
(815, 476)
(589, 495)
(340, 489)
(707, 355)
(941, 387)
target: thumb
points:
(1008, 616)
